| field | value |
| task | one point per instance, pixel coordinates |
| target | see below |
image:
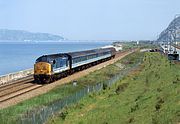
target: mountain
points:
(171, 32)
(20, 35)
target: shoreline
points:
(8, 78)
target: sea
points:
(16, 56)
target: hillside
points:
(20, 35)
(172, 30)
(148, 95)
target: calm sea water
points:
(19, 56)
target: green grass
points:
(10, 114)
(130, 45)
(149, 95)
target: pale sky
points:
(90, 19)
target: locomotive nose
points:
(42, 68)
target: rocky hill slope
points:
(171, 32)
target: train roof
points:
(78, 53)
(93, 51)
(51, 56)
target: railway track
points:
(17, 88)
(11, 83)
(21, 87)
(15, 84)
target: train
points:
(49, 68)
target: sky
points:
(90, 19)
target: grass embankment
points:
(148, 95)
(10, 114)
(129, 45)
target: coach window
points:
(84, 58)
(64, 62)
(74, 60)
(61, 62)
(94, 56)
(78, 59)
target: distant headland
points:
(21, 35)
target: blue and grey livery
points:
(63, 64)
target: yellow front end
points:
(42, 72)
(42, 68)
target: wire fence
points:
(41, 115)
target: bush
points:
(121, 88)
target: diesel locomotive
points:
(49, 68)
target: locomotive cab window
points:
(55, 63)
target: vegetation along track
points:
(17, 88)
